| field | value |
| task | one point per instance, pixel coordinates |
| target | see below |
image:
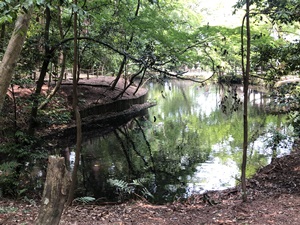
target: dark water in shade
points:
(189, 143)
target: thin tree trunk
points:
(121, 69)
(55, 192)
(245, 117)
(2, 37)
(77, 114)
(47, 57)
(63, 66)
(57, 85)
(12, 53)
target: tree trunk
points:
(246, 74)
(77, 114)
(2, 37)
(55, 192)
(63, 65)
(57, 85)
(121, 68)
(47, 57)
(12, 53)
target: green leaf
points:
(40, 2)
(6, 19)
(2, 4)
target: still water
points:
(190, 142)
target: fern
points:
(121, 186)
(139, 181)
(84, 200)
(135, 188)
(147, 193)
(7, 168)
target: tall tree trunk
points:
(55, 192)
(77, 114)
(12, 53)
(47, 57)
(246, 75)
(62, 68)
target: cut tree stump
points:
(55, 193)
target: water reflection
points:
(190, 142)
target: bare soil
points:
(273, 198)
(98, 90)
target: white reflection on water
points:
(216, 174)
(213, 175)
(284, 148)
(222, 168)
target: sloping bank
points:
(99, 111)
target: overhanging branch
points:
(145, 63)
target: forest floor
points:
(273, 198)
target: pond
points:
(190, 142)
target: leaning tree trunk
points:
(55, 192)
(12, 53)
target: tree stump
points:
(55, 192)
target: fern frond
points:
(118, 183)
(134, 188)
(147, 193)
(85, 199)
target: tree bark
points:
(63, 65)
(55, 192)
(2, 37)
(57, 86)
(12, 53)
(77, 114)
(47, 57)
(246, 74)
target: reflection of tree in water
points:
(99, 164)
(170, 155)
(176, 153)
(230, 100)
(166, 161)
(167, 152)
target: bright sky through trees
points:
(219, 13)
